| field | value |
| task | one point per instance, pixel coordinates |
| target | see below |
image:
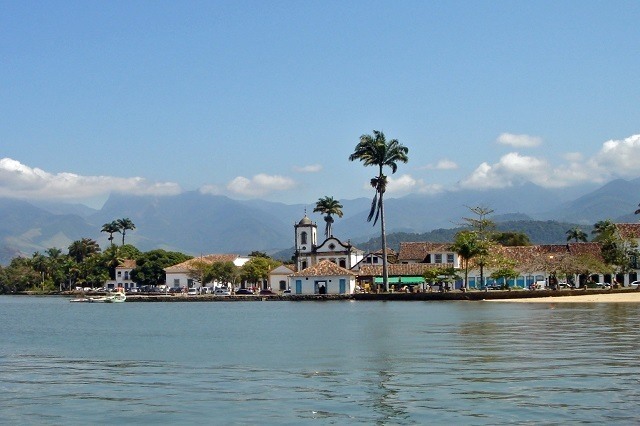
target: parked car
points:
(243, 291)
(603, 285)
(192, 291)
(222, 292)
(287, 291)
(266, 292)
(634, 284)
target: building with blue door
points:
(323, 278)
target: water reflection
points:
(384, 363)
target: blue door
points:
(298, 286)
(343, 286)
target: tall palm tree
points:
(328, 206)
(376, 151)
(110, 228)
(125, 224)
(576, 234)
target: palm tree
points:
(81, 249)
(110, 228)
(467, 246)
(576, 234)
(637, 210)
(603, 230)
(328, 206)
(376, 151)
(125, 224)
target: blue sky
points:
(267, 99)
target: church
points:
(323, 268)
(309, 253)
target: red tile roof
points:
(324, 268)
(628, 230)
(208, 259)
(417, 251)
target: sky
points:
(267, 99)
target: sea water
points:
(339, 362)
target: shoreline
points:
(624, 295)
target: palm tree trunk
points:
(385, 272)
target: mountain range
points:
(197, 223)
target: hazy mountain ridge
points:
(196, 223)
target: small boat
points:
(118, 297)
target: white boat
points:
(118, 297)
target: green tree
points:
(124, 225)
(511, 238)
(256, 269)
(19, 276)
(111, 260)
(484, 229)
(505, 270)
(150, 266)
(110, 228)
(257, 253)
(81, 249)
(55, 266)
(328, 207)
(376, 151)
(199, 271)
(576, 234)
(128, 251)
(467, 246)
(603, 230)
(224, 272)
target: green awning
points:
(401, 280)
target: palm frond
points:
(372, 211)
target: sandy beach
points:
(586, 298)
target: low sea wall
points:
(472, 295)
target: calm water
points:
(321, 362)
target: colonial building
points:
(325, 277)
(279, 277)
(123, 276)
(185, 274)
(430, 253)
(544, 265)
(309, 253)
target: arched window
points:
(303, 238)
(343, 263)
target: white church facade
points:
(309, 253)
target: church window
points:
(303, 238)
(303, 264)
(343, 263)
(332, 246)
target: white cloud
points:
(617, 158)
(519, 141)
(20, 181)
(211, 189)
(573, 157)
(260, 184)
(404, 184)
(311, 168)
(443, 164)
